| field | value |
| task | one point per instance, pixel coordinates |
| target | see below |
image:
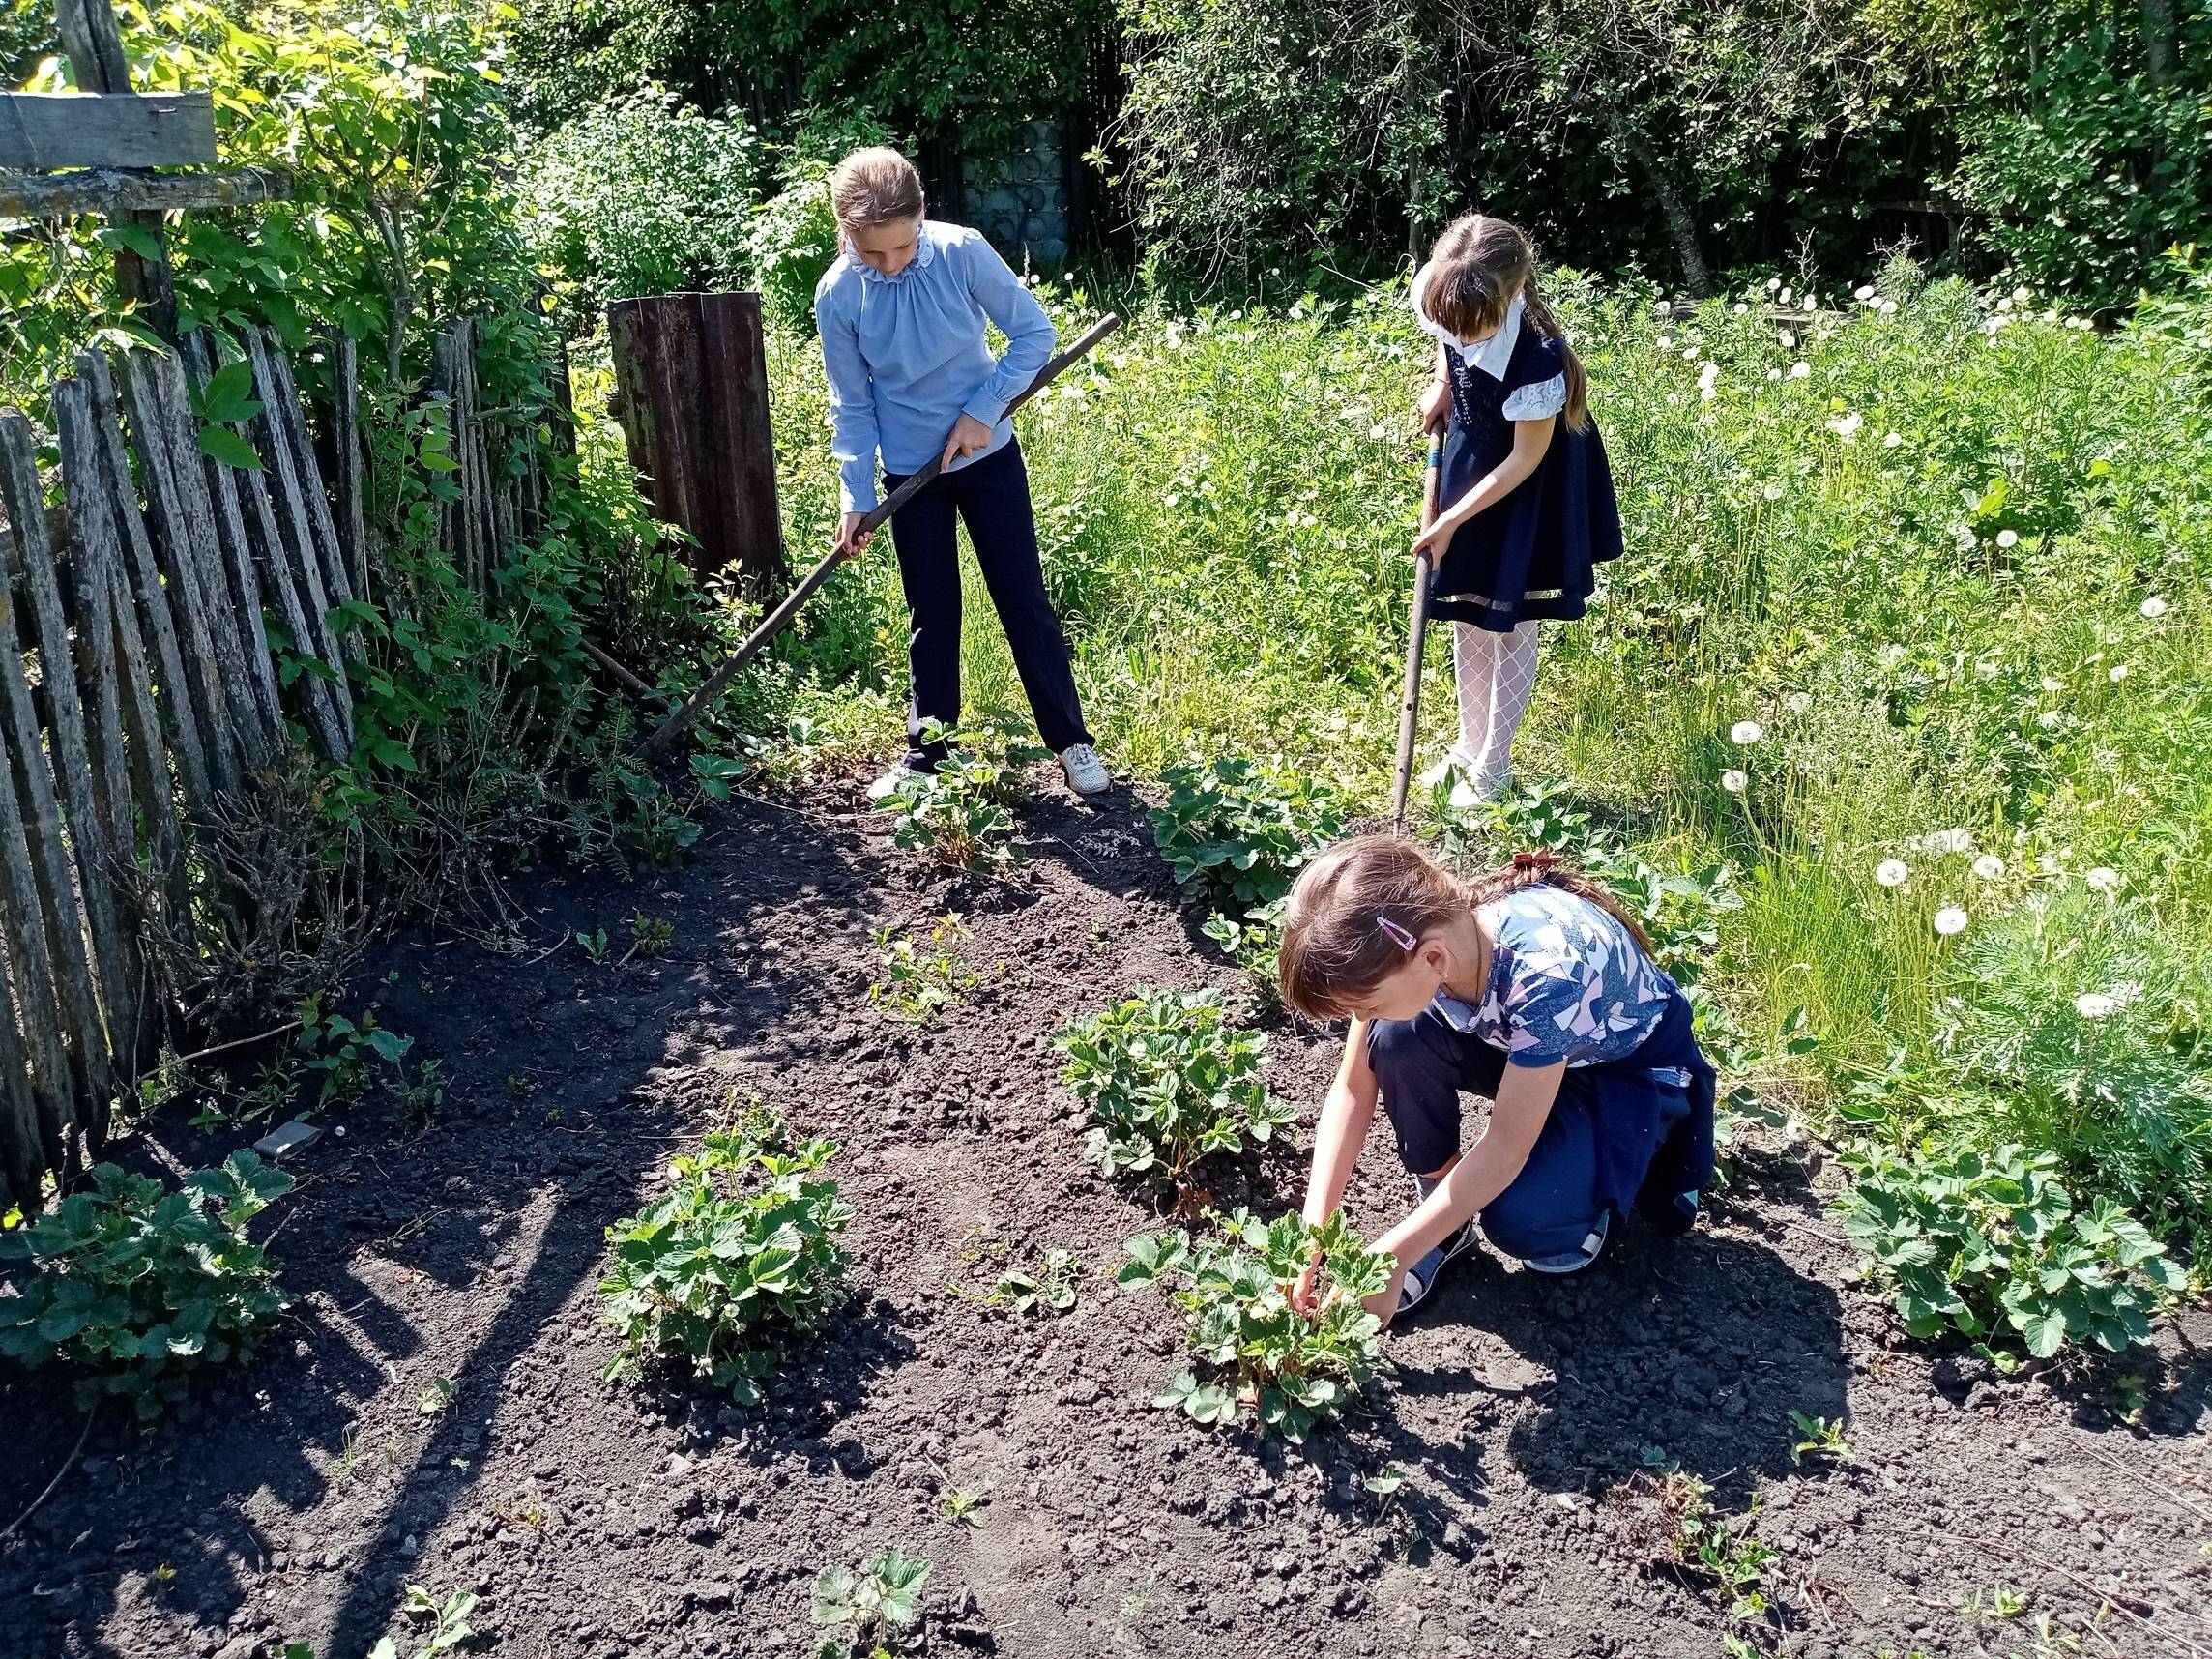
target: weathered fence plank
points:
(20, 1160)
(113, 195)
(47, 131)
(31, 968)
(142, 583)
(59, 679)
(292, 424)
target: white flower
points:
(2004, 304)
(1691, 353)
(1741, 309)
(1666, 342)
(2022, 296)
(2118, 673)
(1798, 702)
(1800, 369)
(2152, 608)
(1788, 341)
(2008, 539)
(2093, 1005)
(1890, 440)
(1783, 298)
(2104, 878)
(1988, 867)
(1772, 284)
(1891, 873)
(1887, 307)
(1847, 427)
(1736, 782)
(1746, 732)
(1774, 374)
(1950, 920)
(1380, 430)
(1772, 491)
(1707, 377)
(1863, 293)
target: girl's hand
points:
(1437, 537)
(968, 435)
(1302, 1293)
(1435, 405)
(849, 539)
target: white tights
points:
(1495, 671)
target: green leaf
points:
(220, 444)
(2043, 1331)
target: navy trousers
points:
(993, 496)
(1636, 1132)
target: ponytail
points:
(1539, 313)
(1545, 870)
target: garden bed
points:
(1533, 1421)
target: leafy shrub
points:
(1263, 1358)
(1237, 833)
(2081, 1029)
(141, 1285)
(1169, 1080)
(959, 813)
(641, 195)
(1985, 1244)
(708, 1275)
(869, 1608)
(795, 236)
(922, 977)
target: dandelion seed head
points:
(2104, 878)
(1772, 284)
(1772, 491)
(1892, 873)
(2022, 296)
(1891, 440)
(1950, 920)
(1735, 780)
(1800, 369)
(1746, 732)
(2152, 608)
(1666, 342)
(1863, 292)
(1741, 309)
(2093, 1005)
(1798, 702)
(2008, 539)
(1783, 297)
(1988, 867)
(1380, 430)
(2118, 673)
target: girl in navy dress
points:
(1531, 987)
(1528, 510)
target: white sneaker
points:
(883, 787)
(1085, 772)
(1470, 787)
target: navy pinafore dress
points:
(1533, 556)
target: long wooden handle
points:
(777, 620)
(1416, 637)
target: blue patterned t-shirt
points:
(1567, 981)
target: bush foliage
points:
(1263, 1359)
(139, 1285)
(1168, 1082)
(709, 1276)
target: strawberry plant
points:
(1236, 833)
(138, 1284)
(1983, 1244)
(708, 1275)
(865, 1610)
(1051, 1287)
(1169, 1080)
(1261, 1358)
(958, 813)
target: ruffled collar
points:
(924, 251)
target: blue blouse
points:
(1567, 981)
(907, 357)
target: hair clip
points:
(1533, 860)
(1395, 934)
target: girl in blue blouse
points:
(1531, 987)
(1529, 505)
(901, 313)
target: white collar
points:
(1494, 354)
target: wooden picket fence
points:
(138, 690)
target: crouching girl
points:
(1531, 987)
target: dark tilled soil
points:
(294, 1500)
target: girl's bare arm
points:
(1530, 440)
(1345, 1116)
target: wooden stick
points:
(615, 668)
(1416, 637)
(777, 620)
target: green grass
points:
(1927, 626)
